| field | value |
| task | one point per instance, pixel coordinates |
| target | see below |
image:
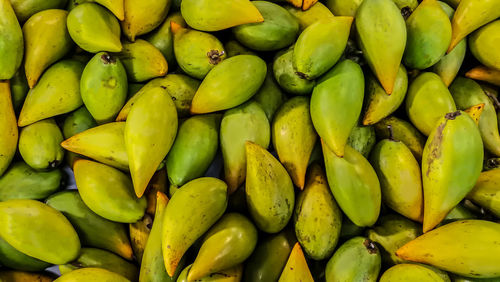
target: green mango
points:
(196, 52)
(11, 41)
(459, 212)
(336, 104)
(429, 35)
(39, 144)
(142, 60)
(287, 78)
(320, 46)
(114, 6)
(20, 181)
(104, 143)
(133, 88)
(227, 275)
(294, 137)
(449, 65)
(278, 30)
(194, 148)
(94, 29)
(163, 38)
(483, 43)
(90, 257)
(234, 48)
(24, 9)
(409, 4)
(117, 202)
(270, 97)
(269, 258)
(91, 274)
(74, 123)
(451, 164)
(467, 93)
(296, 268)
(57, 92)
(305, 18)
(427, 101)
(51, 238)
(381, 33)
(93, 230)
(19, 89)
(139, 234)
(486, 192)
(400, 178)
(354, 185)
(269, 189)
(23, 276)
(317, 217)
(411, 272)
(209, 15)
(356, 260)
(14, 259)
(457, 278)
(46, 41)
(143, 16)
(391, 233)
(362, 139)
(189, 214)
(403, 131)
(349, 229)
(229, 84)
(227, 244)
(452, 3)
(103, 87)
(380, 105)
(343, 8)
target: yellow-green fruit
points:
(19, 89)
(229, 84)
(411, 4)
(234, 48)
(115, 6)
(305, 18)
(381, 105)
(296, 268)
(103, 87)
(317, 217)
(233, 274)
(74, 123)
(452, 3)
(93, 230)
(142, 16)
(451, 164)
(410, 273)
(482, 73)
(270, 97)
(459, 212)
(214, 15)
(227, 244)
(22, 276)
(46, 40)
(427, 101)
(24, 9)
(14, 259)
(356, 260)
(8, 127)
(354, 185)
(486, 192)
(39, 144)
(468, 247)
(336, 103)
(429, 35)
(139, 233)
(400, 178)
(90, 257)
(483, 43)
(457, 278)
(142, 60)
(57, 92)
(467, 93)
(269, 190)
(361, 139)
(196, 52)
(163, 37)
(39, 231)
(91, 274)
(278, 30)
(94, 28)
(286, 76)
(11, 41)
(449, 65)
(343, 8)
(191, 211)
(382, 38)
(294, 137)
(104, 143)
(320, 46)
(117, 202)
(470, 15)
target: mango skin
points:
(296, 268)
(486, 192)
(51, 237)
(142, 60)
(74, 123)
(449, 65)
(189, 214)
(483, 73)
(428, 100)
(139, 234)
(8, 127)
(270, 97)
(362, 139)
(93, 230)
(229, 84)
(234, 48)
(227, 275)
(269, 190)
(317, 217)
(356, 260)
(482, 43)
(142, 16)
(14, 259)
(91, 274)
(41, 32)
(305, 18)
(336, 104)
(25, 9)
(451, 164)
(57, 92)
(279, 29)
(410, 272)
(11, 41)
(24, 276)
(343, 8)
(19, 89)
(163, 38)
(287, 78)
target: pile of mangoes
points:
(237, 140)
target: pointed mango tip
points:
(175, 27)
(453, 43)
(366, 120)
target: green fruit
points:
(483, 43)
(459, 212)
(343, 8)
(91, 274)
(11, 41)
(269, 95)
(410, 272)
(26, 8)
(142, 16)
(287, 78)
(163, 38)
(305, 18)
(142, 60)
(19, 89)
(77, 121)
(362, 139)
(234, 48)
(227, 275)
(486, 192)
(12, 258)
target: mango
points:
(349, 229)
(22, 276)
(316, 12)
(143, 16)
(482, 43)
(229, 84)
(270, 97)
(484, 74)
(91, 274)
(227, 275)
(343, 8)
(139, 234)
(409, 4)
(25, 9)
(8, 127)
(410, 272)
(459, 212)
(163, 38)
(234, 48)
(39, 144)
(447, 68)
(287, 78)
(451, 164)
(269, 190)
(14, 259)
(19, 89)
(361, 139)
(296, 268)
(74, 123)
(188, 215)
(11, 41)
(486, 192)
(142, 61)
(114, 6)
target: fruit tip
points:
(175, 27)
